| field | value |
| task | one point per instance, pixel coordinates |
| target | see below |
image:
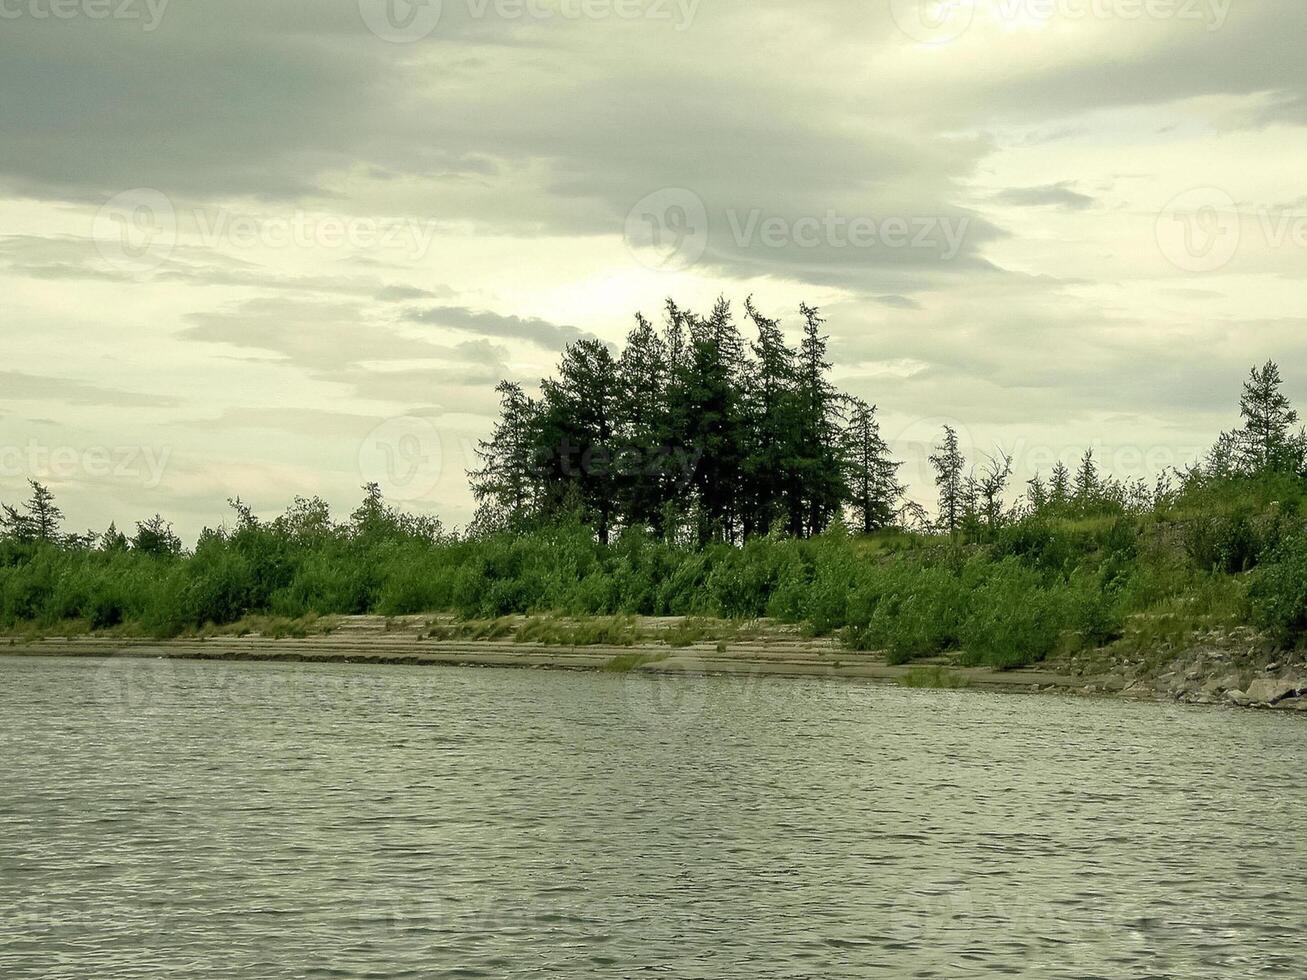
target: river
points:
(240, 820)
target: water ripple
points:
(214, 820)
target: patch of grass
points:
(1175, 621)
(933, 677)
(697, 629)
(495, 629)
(470, 629)
(617, 631)
(624, 663)
(271, 627)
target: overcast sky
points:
(279, 248)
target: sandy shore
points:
(767, 649)
(406, 640)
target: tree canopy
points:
(693, 433)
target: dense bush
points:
(1013, 618)
(1035, 583)
(1006, 604)
(1277, 598)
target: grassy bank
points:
(1005, 594)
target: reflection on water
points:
(279, 820)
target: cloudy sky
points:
(281, 248)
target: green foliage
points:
(1277, 597)
(1223, 542)
(1013, 619)
(1089, 561)
(692, 433)
(909, 610)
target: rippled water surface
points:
(277, 820)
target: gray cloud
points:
(1254, 51)
(1058, 195)
(20, 386)
(545, 154)
(524, 147)
(339, 343)
(69, 257)
(897, 302)
(542, 333)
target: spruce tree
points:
(871, 475)
(113, 540)
(39, 520)
(818, 428)
(155, 537)
(949, 463)
(1059, 487)
(1088, 487)
(1036, 494)
(712, 419)
(645, 463)
(506, 484)
(771, 421)
(1266, 443)
(577, 433)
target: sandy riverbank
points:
(764, 649)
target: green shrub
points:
(1277, 597)
(1227, 543)
(909, 611)
(1013, 620)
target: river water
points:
(233, 820)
